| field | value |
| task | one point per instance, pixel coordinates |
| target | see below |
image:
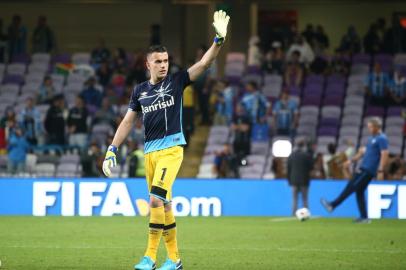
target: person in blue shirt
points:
(30, 119)
(255, 103)
(285, 114)
(376, 86)
(375, 157)
(224, 103)
(17, 151)
(397, 90)
(91, 94)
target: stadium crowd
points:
(70, 116)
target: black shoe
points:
(326, 205)
(362, 220)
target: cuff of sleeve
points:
(113, 149)
(218, 40)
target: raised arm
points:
(220, 23)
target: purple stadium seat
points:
(336, 78)
(294, 90)
(311, 101)
(374, 111)
(361, 58)
(328, 131)
(253, 70)
(395, 111)
(62, 58)
(314, 79)
(21, 58)
(329, 122)
(14, 79)
(383, 58)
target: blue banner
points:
(192, 197)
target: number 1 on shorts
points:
(163, 173)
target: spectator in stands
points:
(201, 86)
(274, 59)
(294, 71)
(104, 74)
(137, 74)
(17, 151)
(136, 161)
(3, 43)
(137, 133)
(321, 40)
(77, 123)
(7, 124)
(318, 169)
(254, 52)
(43, 39)
(55, 121)
(119, 61)
(111, 95)
(125, 97)
(306, 54)
(372, 41)
(309, 34)
(351, 42)
(241, 127)
(396, 168)
(397, 89)
(31, 121)
(188, 116)
(17, 37)
(376, 86)
(226, 164)
(285, 115)
(299, 166)
(319, 65)
(91, 95)
(106, 114)
(340, 63)
(388, 43)
(46, 91)
(174, 65)
(327, 158)
(100, 54)
(255, 103)
(92, 161)
(224, 103)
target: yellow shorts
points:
(161, 168)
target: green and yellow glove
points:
(220, 23)
(110, 161)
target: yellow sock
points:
(169, 234)
(156, 226)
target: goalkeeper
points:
(160, 101)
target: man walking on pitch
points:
(160, 101)
(375, 156)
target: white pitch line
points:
(267, 249)
(289, 219)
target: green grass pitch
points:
(205, 243)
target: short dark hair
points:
(156, 48)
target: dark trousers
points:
(304, 190)
(357, 184)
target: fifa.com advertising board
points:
(192, 197)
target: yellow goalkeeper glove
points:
(220, 23)
(110, 161)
